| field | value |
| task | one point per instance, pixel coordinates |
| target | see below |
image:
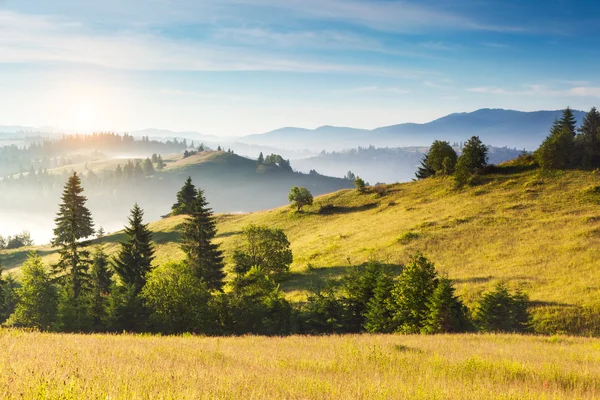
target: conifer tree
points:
(474, 154)
(101, 281)
(424, 170)
(446, 313)
(557, 150)
(500, 311)
(159, 163)
(185, 199)
(261, 158)
(411, 293)
(202, 255)
(568, 121)
(37, 306)
(379, 315)
(73, 223)
(135, 257)
(589, 139)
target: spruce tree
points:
(73, 223)
(557, 150)
(568, 121)
(424, 170)
(202, 255)
(589, 139)
(446, 313)
(411, 293)
(500, 311)
(379, 314)
(101, 281)
(134, 259)
(185, 199)
(474, 154)
(261, 158)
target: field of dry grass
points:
(62, 366)
(539, 233)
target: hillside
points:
(496, 127)
(539, 233)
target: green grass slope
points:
(539, 233)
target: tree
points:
(446, 313)
(424, 170)
(202, 255)
(411, 294)
(556, 151)
(359, 184)
(589, 139)
(461, 173)
(263, 247)
(439, 153)
(177, 299)
(73, 223)
(501, 311)
(380, 311)
(159, 163)
(300, 197)
(256, 305)
(185, 198)
(568, 121)
(148, 167)
(474, 154)
(261, 158)
(350, 176)
(100, 282)
(134, 260)
(37, 306)
(218, 148)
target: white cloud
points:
(585, 91)
(374, 89)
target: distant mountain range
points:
(496, 127)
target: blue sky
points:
(233, 67)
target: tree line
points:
(90, 291)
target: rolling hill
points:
(536, 232)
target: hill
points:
(536, 232)
(495, 127)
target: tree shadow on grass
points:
(315, 278)
(330, 209)
(228, 234)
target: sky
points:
(235, 67)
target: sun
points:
(84, 117)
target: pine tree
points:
(134, 260)
(101, 281)
(73, 223)
(475, 154)
(411, 293)
(557, 150)
(589, 139)
(159, 163)
(185, 199)
(379, 315)
(568, 121)
(37, 306)
(499, 311)
(202, 255)
(446, 313)
(424, 170)
(148, 167)
(261, 158)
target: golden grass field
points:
(540, 233)
(69, 366)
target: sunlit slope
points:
(539, 233)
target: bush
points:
(360, 185)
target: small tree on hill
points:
(474, 154)
(263, 247)
(148, 167)
(556, 151)
(300, 197)
(159, 163)
(588, 140)
(568, 121)
(359, 184)
(424, 170)
(37, 306)
(185, 199)
(261, 158)
(461, 173)
(202, 255)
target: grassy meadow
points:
(68, 366)
(540, 233)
